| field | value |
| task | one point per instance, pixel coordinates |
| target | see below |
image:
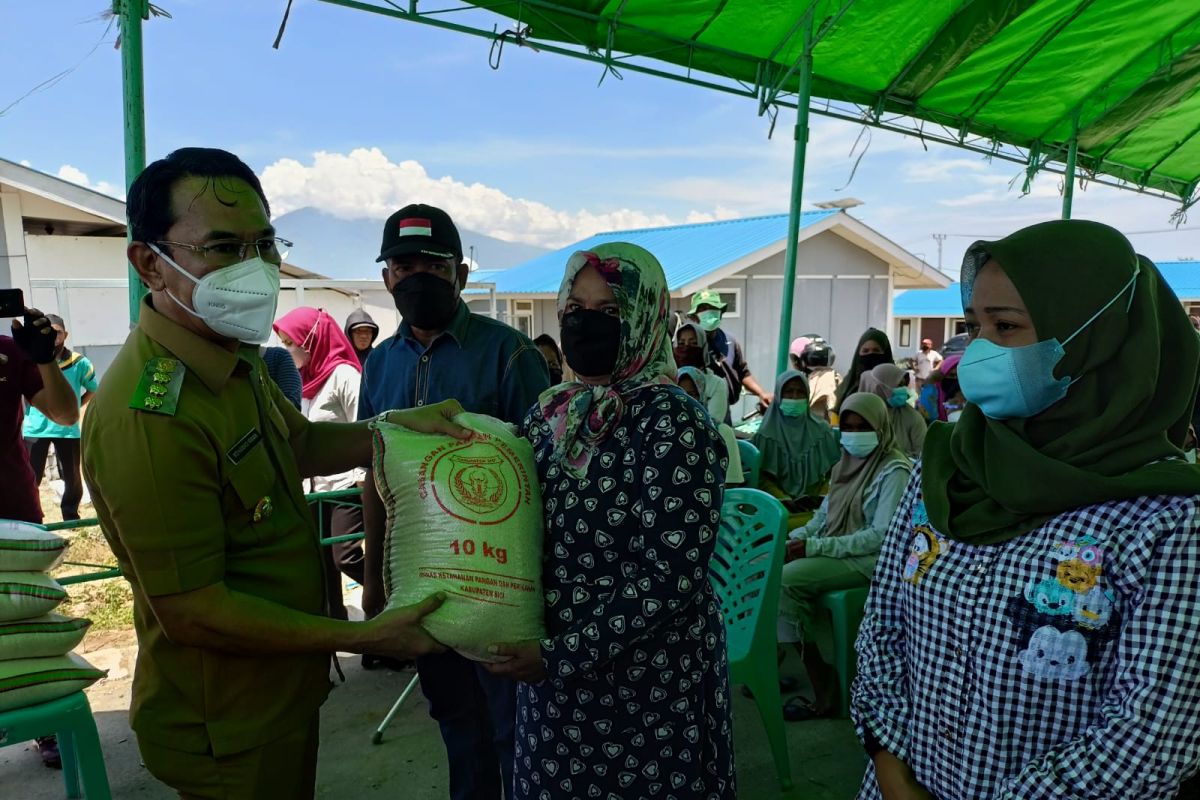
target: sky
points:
(358, 114)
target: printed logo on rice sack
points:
(481, 481)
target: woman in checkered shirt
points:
(1032, 625)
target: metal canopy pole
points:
(130, 13)
(801, 137)
(1069, 175)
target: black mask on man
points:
(591, 341)
(872, 360)
(426, 301)
(556, 376)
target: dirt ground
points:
(826, 760)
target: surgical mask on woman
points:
(591, 342)
(688, 355)
(860, 444)
(899, 398)
(793, 408)
(1019, 382)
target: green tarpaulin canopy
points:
(991, 74)
(1109, 86)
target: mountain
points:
(347, 248)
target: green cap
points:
(707, 297)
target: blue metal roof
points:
(687, 252)
(929, 302)
(1182, 276)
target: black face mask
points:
(871, 361)
(556, 376)
(689, 356)
(591, 341)
(426, 301)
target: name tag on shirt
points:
(242, 447)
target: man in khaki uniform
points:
(194, 461)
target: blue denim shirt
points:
(486, 365)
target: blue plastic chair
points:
(69, 718)
(751, 463)
(745, 574)
(846, 609)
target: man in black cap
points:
(443, 351)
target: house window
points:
(733, 302)
(958, 326)
(906, 333)
(521, 316)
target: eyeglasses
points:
(230, 251)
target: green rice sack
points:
(464, 518)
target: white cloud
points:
(79, 177)
(365, 183)
(936, 170)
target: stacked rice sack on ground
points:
(36, 662)
(464, 518)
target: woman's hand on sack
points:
(437, 418)
(795, 550)
(398, 633)
(522, 661)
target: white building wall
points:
(69, 257)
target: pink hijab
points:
(319, 335)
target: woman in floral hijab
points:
(628, 696)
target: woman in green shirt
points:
(837, 549)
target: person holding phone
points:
(28, 373)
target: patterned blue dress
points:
(637, 705)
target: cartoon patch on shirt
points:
(1050, 597)
(924, 547)
(1065, 618)
(1055, 655)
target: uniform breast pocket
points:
(249, 503)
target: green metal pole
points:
(131, 13)
(1069, 177)
(801, 136)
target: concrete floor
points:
(410, 763)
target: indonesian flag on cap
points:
(415, 226)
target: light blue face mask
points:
(860, 444)
(899, 398)
(1019, 382)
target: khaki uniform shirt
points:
(210, 493)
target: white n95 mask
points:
(237, 301)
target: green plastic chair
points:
(846, 609)
(745, 574)
(69, 718)
(751, 463)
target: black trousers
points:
(343, 557)
(67, 453)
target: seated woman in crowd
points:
(798, 449)
(890, 383)
(838, 547)
(1031, 627)
(874, 348)
(631, 476)
(553, 355)
(813, 356)
(693, 381)
(691, 350)
(940, 391)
